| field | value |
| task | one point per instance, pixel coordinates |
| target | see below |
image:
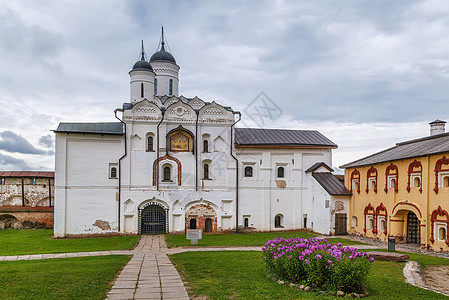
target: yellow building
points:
(403, 191)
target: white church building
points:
(172, 163)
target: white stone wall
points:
(84, 193)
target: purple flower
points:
(318, 256)
(371, 259)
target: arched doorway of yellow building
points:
(406, 222)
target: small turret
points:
(142, 79)
(166, 69)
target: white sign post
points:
(194, 235)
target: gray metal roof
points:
(331, 184)
(410, 149)
(95, 128)
(280, 137)
(317, 166)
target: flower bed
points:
(317, 263)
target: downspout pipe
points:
(120, 167)
(157, 150)
(196, 149)
(236, 173)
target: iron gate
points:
(153, 219)
(413, 229)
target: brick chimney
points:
(437, 127)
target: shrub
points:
(317, 263)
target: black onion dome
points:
(143, 65)
(162, 55)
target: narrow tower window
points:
(113, 172)
(248, 171)
(170, 87)
(281, 172)
(167, 175)
(141, 90)
(150, 143)
(205, 146)
(155, 86)
(206, 171)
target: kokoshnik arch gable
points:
(171, 163)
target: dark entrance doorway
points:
(208, 225)
(153, 219)
(413, 229)
(192, 223)
(340, 224)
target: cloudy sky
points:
(367, 74)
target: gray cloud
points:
(9, 163)
(12, 142)
(47, 141)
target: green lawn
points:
(241, 275)
(29, 241)
(65, 278)
(245, 239)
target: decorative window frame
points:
(355, 183)
(371, 175)
(441, 176)
(439, 212)
(391, 172)
(413, 173)
(170, 165)
(162, 160)
(437, 227)
(355, 177)
(368, 215)
(439, 167)
(381, 214)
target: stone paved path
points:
(149, 274)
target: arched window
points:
(34, 181)
(155, 86)
(417, 182)
(371, 224)
(170, 87)
(245, 222)
(150, 143)
(113, 172)
(208, 225)
(281, 172)
(382, 225)
(442, 234)
(167, 173)
(192, 223)
(206, 171)
(446, 181)
(393, 183)
(205, 146)
(278, 221)
(248, 171)
(141, 90)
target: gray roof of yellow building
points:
(115, 128)
(414, 148)
(280, 137)
(331, 184)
